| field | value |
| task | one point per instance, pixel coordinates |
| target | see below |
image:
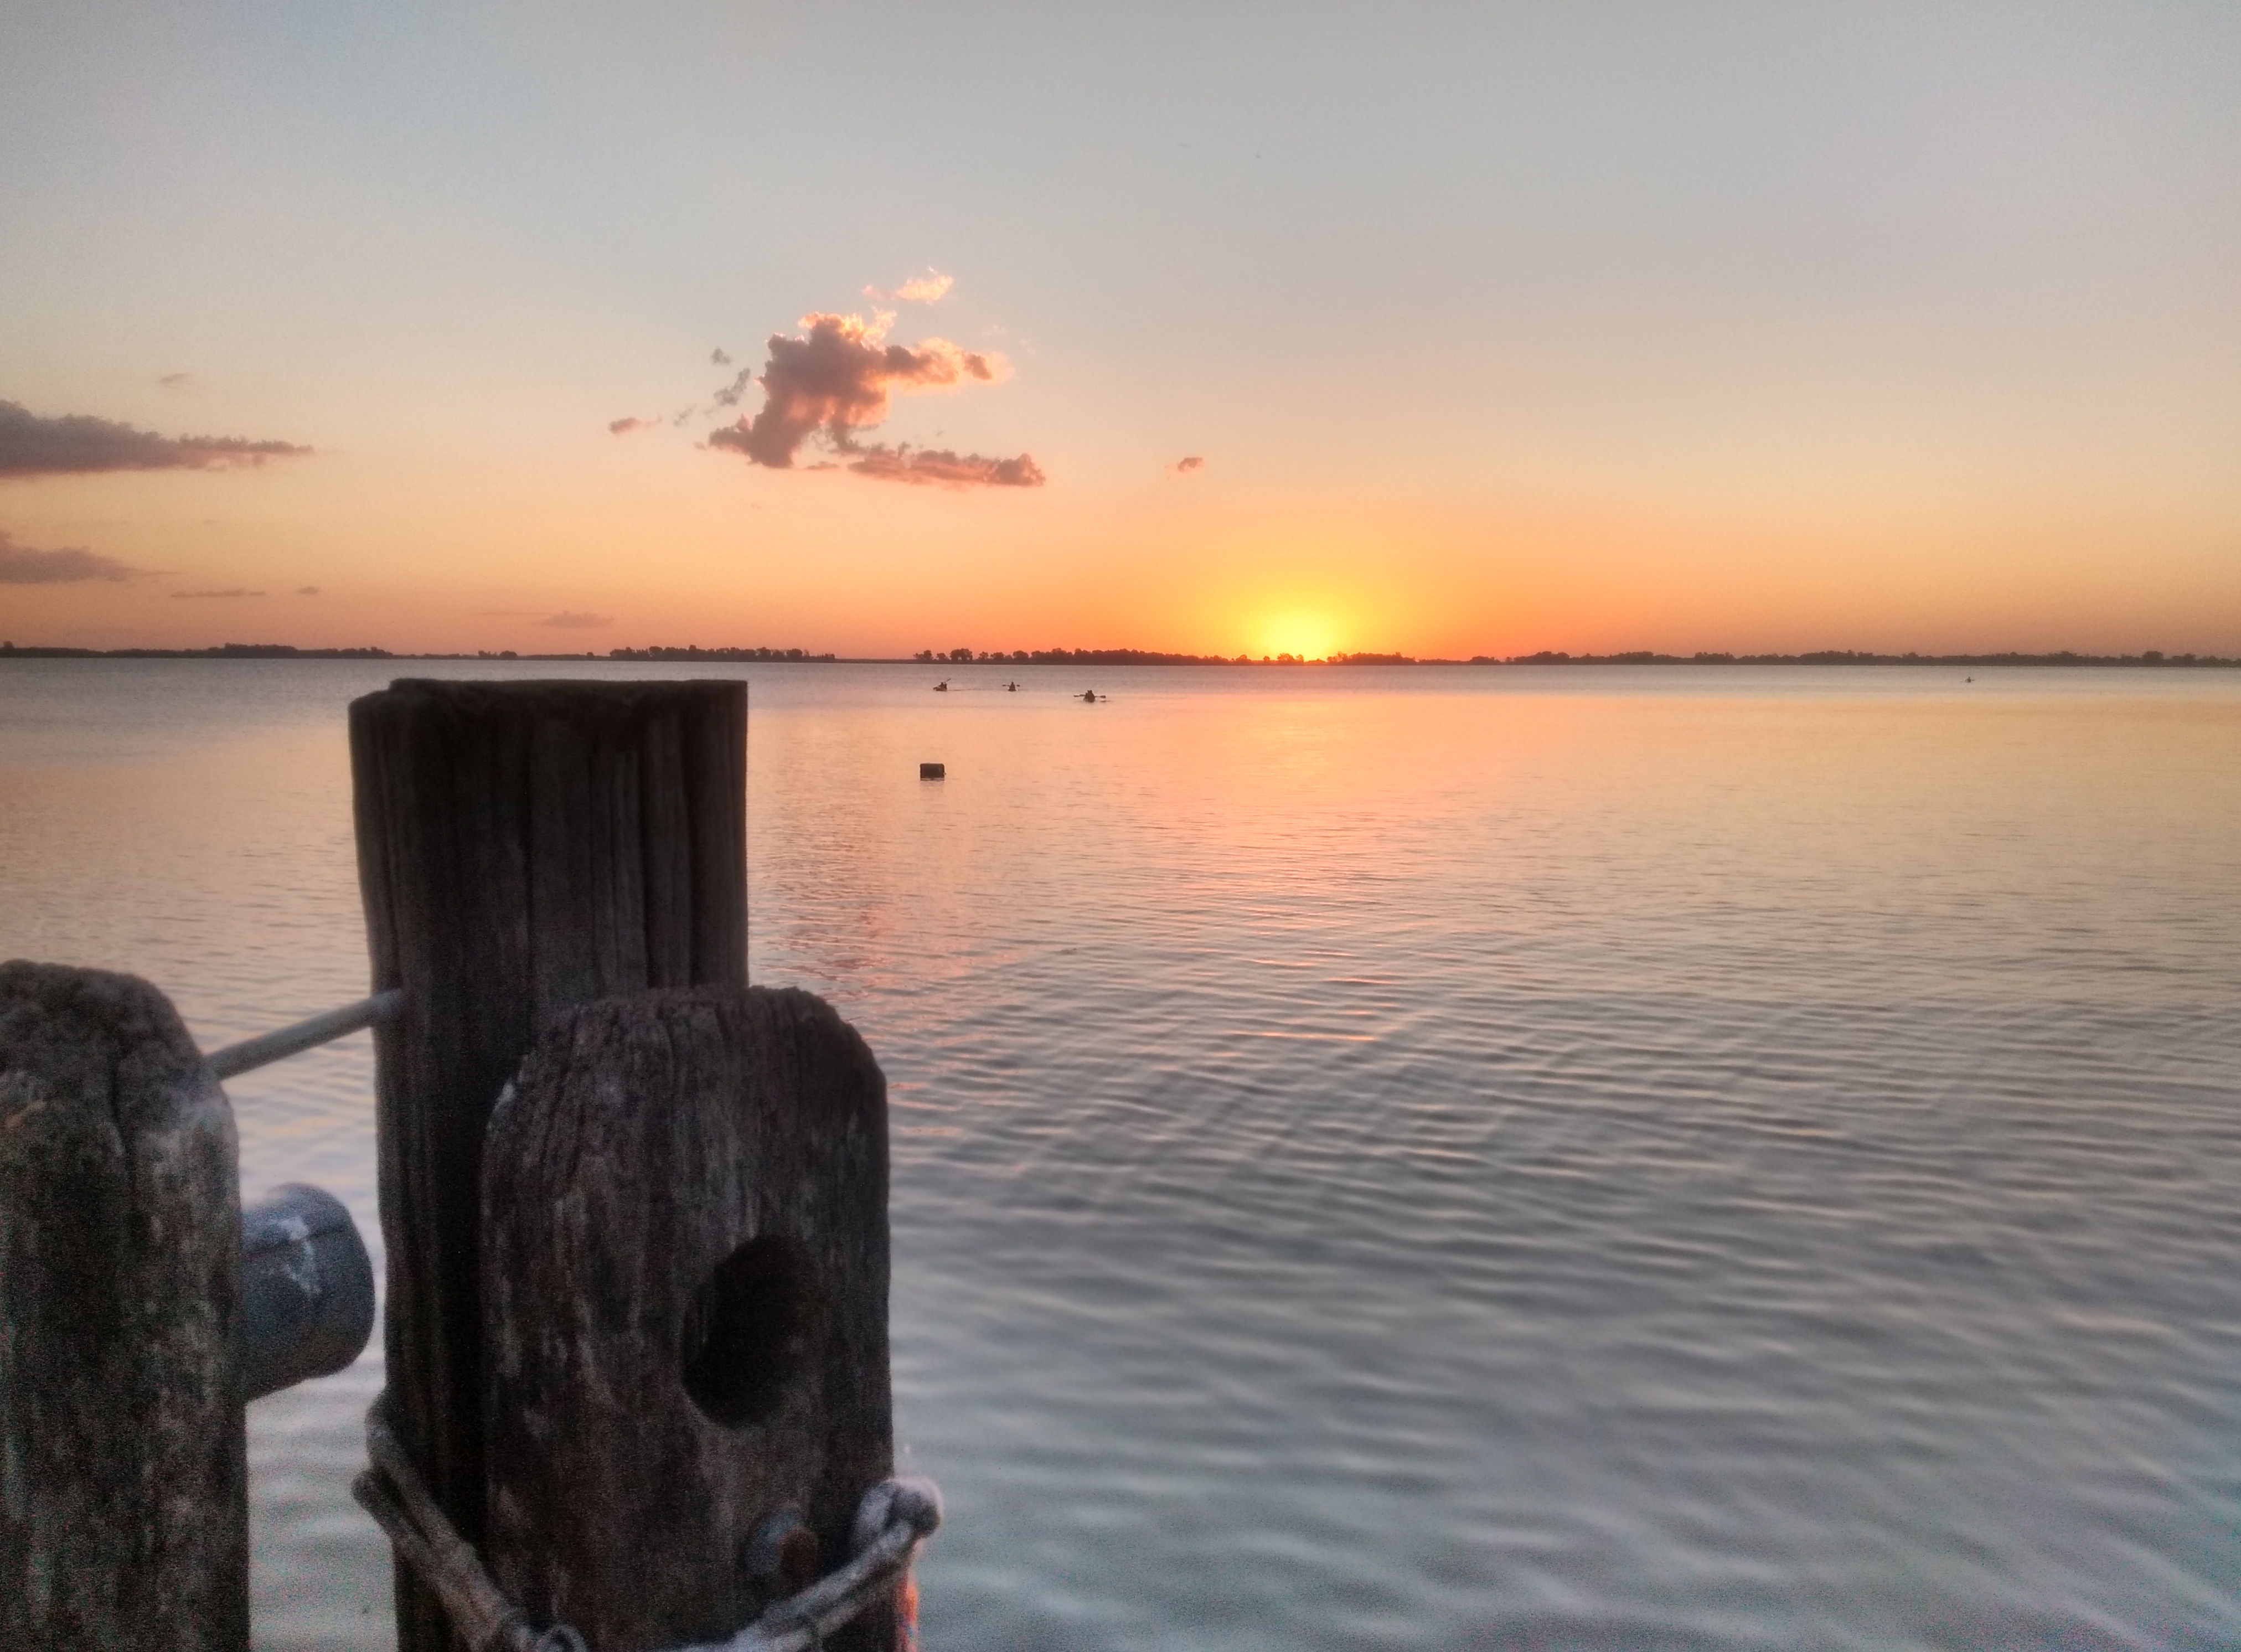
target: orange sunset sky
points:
(1492, 328)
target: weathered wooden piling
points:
(684, 1291)
(523, 848)
(123, 1514)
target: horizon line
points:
(956, 657)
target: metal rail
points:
(307, 1034)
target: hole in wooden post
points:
(751, 1330)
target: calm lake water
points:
(1476, 1158)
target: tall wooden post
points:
(124, 1510)
(523, 848)
(684, 1298)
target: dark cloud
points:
(567, 621)
(718, 359)
(731, 394)
(625, 426)
(1184, 466)
(175, 381)
(307, 591)
(231, 591)
(21, 565)
(78, 443)
(837, 381)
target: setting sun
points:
(1304, 636)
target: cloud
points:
(231, 591)
(1184, 466)
(926, 288)
(625, 426)
(567, 621)
(307, 591)
(21, 565)
(729, 395)
(924, 465)
(78, 443)
(718, 359)
(837, 381)
(175, 381)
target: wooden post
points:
(124, 1510)
(685, 1290)
(523, 848)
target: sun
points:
(1303, 635)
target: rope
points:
(893, 1519)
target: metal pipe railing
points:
(307, 1034)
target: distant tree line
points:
(223, 651)
(1853, 657)
(726, 655)
(1553, 657)
(1145, 657)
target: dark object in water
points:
(1089, 697)
(942, 687)
(932, 770)
(307, 1289)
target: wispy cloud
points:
(727, 395)
(625, 426)
(904, 463)
(1184, 466)
(175, 381)
(231, 591)
(79, 444)
(307, 591)
(717, 357)
(929, 288)
(567, 621)
(837, 381)
(22, 566)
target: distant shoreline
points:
(2151, 658)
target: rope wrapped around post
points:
(893, 1519)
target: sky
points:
(1448, 330)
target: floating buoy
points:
(932, 770)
